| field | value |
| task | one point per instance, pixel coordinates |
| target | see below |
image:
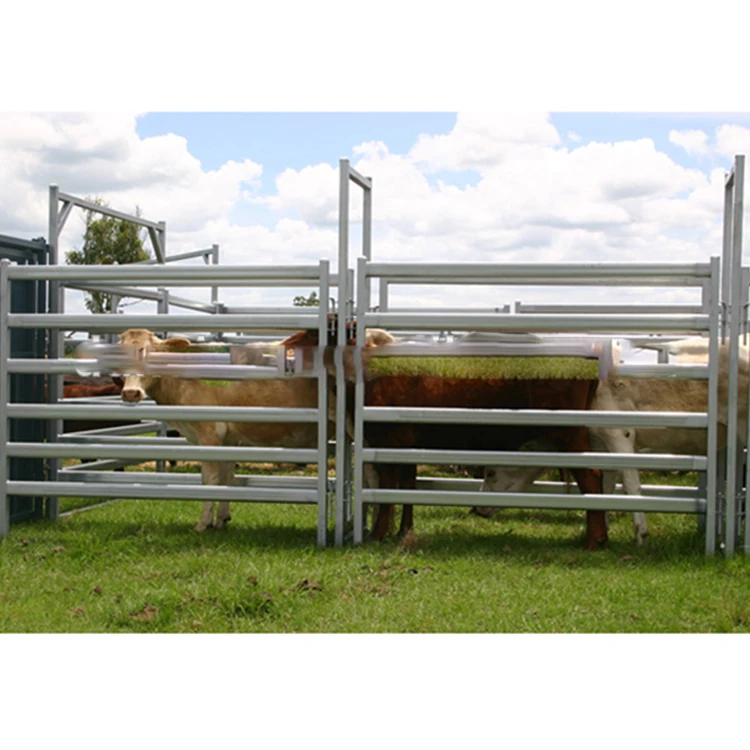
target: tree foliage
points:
(312, 301)
(108, 241)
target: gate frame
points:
(705, 275)
(156, 276)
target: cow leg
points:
(381, 522)
(207, 516)
(370, 481)
(408, 482)
(407, 521)
(387, 477)
(590, 482)
(226, 478)
(609, 482)
(622, 441)
(210, 473)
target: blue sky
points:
(295, 140)
(282, 140)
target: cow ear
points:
(175, 344)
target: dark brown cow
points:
(77, 386)
(429, 391)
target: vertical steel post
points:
(114, 301)
(383, 295)
(162, 306)
(726, 253)
(56, 347)
(712, 471)
(367, 222)
(363, 305)
(323, 405)
(215, 262)
(162, 234)
(735, 314)
(4, 396)
(343, 449)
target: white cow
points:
(635, 394)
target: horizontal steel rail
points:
(153, 453)
(653, 461)
(474, 485)
(560, 272)
(537, 323)
(162, 275)
(662, 372)
(44, 366)
(138, 428)
(80, 439)
(209, 372)
(256, 414)
(115, 323)
(154, 477)
(269, 310)
(610, 309)
(538, 500)
(574, 347)
(502, 309)
(624, 281)
(167, 492)
(552, 417)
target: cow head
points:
(136, 385)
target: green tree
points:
(107, 241)
(311, 301)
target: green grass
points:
(137, 566)
(483, 368)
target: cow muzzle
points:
(132, 395)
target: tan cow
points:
(175, 391)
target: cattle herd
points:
(611, 394)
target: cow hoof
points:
(222, 524)
(596, 544)
(482, 512)
(200, 527)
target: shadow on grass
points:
(525, 536)
(175, 536)
(527, 548)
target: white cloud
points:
(732, 139)
(102, 155)
(313, 191)
(574, 136)
(695, 142)
(479, 141)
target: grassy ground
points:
(137, 566)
